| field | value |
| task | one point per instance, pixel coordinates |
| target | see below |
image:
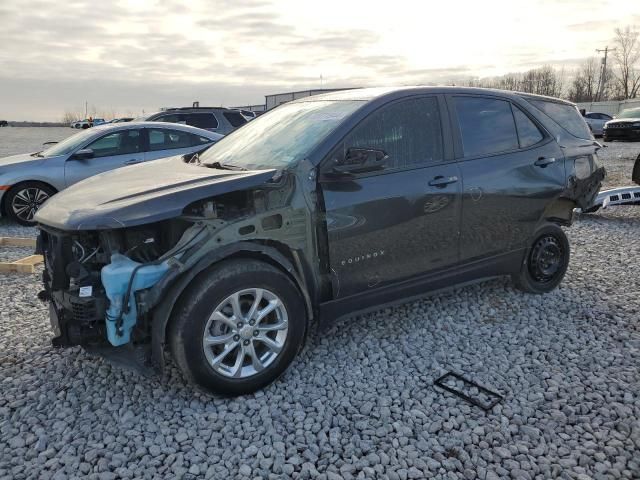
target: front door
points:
(111, 151)
(402, 221)
(511, 170)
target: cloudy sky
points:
(130, 56)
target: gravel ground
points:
(359, 402)
(618, 158)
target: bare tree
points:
(584, 86)
(627, 57)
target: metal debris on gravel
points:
(359, 402)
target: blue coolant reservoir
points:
(115, 279)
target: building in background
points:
(272, 101)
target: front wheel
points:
(546, 262)
(24, 200)
(238, 327)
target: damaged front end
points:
(105, 285)
(96, 280)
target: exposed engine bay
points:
(103, 284)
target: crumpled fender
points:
(584, 191)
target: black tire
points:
(36, 193)
(546, 261)
(198, 303)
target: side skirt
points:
(419, 287)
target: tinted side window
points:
(486, 125)
(567, 116)
(409, 131)
(162, 139)
(172, 118)
(118, 143)
(235, 119)
(528, 132)
(202, 120)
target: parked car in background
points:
(215, 119)
(624, 126)
(4, 123)
(596, 122)
(88, 123)
(121, 120)
(28, 180)
(320, 208)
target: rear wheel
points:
(238, 327)
(546, 262)
(24, 200)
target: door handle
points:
(442, 182)
(544, 161)
(133, 161)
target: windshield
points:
(69, 144)
(630, 113)
(281, 137)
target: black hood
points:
(141, 194)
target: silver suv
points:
(215, 119)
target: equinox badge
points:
(362, 258)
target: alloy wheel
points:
(27, 201)
(245, 333)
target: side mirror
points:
(360, 160)
(83, 154)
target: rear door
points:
(511, 170)
(402, 221)
(111, 151)
(165, 142)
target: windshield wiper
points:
(37, 154)
(222, 166)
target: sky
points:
(126, 57)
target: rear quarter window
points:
(235, 119)
(566, 116)
(202, 120)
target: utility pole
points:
(86, 105)
(320, 81)
(603, 71)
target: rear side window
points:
(202, 120)
(567, 116)
(172, 118)
(409, 131)
(528, 132)
(486, 125)
(198, 140)
(163, 139)
(235, 119)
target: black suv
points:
(215, 119)
(323, 207)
